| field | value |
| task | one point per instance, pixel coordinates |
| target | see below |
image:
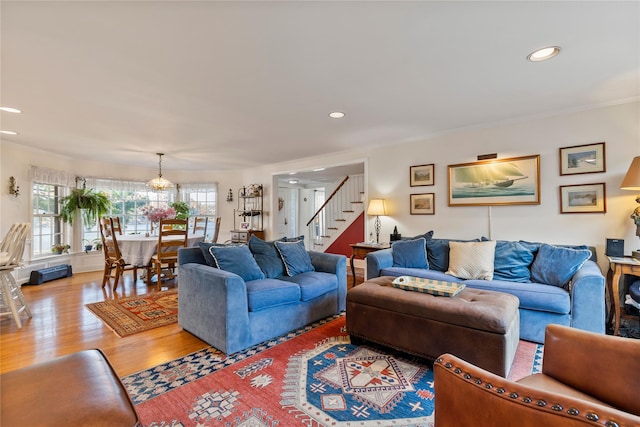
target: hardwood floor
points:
(61, 324)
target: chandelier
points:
(159, 183)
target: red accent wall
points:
(353, 234)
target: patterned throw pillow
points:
(471, 260)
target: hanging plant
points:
(90, 204)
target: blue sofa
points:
(232, 314)
(578, 300)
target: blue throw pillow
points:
(238, 260)
(427, 236)
(410, 253)
(438, 253)
(204, 247)
(556, 265)
(295, 257)
(267, 257)
(512, 261)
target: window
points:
(201, 198)
(48, 228)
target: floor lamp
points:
(377, 208)
(631, 181)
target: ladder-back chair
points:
(11, 251)
(171, 237)
(216, 230)
(200, 225)
(114, 264)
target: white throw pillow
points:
(472, 260)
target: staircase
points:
(339, 210)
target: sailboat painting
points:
(512, 181)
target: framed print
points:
(582, 159)
(421, 175)
(583, 198)
(512, 181)
(244, 226)
(422, 204)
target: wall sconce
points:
(14, 189)
(230, 196)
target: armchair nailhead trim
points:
(540, 403)
(592, 417)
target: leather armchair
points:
(587, 379)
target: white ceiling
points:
(232, 85)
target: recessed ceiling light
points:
(318, 169)
(8, 132)
(292, 173)
(293, 181)
(336, 115)
(10, 110)
(543, 54)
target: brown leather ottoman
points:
(80, 389)
(481, 327)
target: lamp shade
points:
(631, 180)
(376, 207)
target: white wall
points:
(387, 169)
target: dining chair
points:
(200, 225)
(116, 224)
(216, 230)
(114, 263)
(172, 236)
(11, 251)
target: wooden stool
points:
(80, 389)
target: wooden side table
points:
(618, 267)
(360, 251)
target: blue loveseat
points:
(555, 284)
(231, 313)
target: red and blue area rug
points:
(310, 377)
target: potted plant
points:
(87, 245)
(60, 249)
(89, 203)
(97, 243)
(182, 209)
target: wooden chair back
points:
(171, 237)
(216, 230)
(200, 225)
(117, 228)
(110, 246)
(12, 245)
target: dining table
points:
(137, 249)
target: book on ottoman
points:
(428, 286)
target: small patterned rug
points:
(128, 316)
(310, 377)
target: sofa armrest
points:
(378, 260)
(469, 396)
(334, 264)
(572, 356)
(212, 305)
(588, 308)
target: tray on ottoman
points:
(428, 286)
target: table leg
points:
(353, 271)
(614, 295)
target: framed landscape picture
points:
(578, 159)
(511, 181)
(422, 204)
(583, 198)
(421, 175)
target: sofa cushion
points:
(532, 296)
(236, 259)
(267, 257)
(512, 261)
(438, 252)
(472, 260)
(204, 247)
(313, 284)
(555, 265)
(410, 253)
(267, 293)
(295, 257)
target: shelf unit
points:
(248, 217)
